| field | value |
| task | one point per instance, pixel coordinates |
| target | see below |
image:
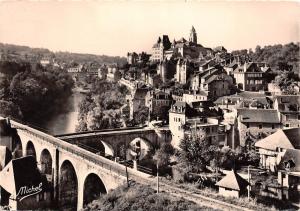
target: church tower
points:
(193, 35)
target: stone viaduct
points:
(110, 142)
(78, 175)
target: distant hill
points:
(18, 52)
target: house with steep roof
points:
(254, 124)
(217, 85)
(250, 77)
(289, 169)
(232, 185)
(23, 185)
(289, 108)
(230, 68)
(278, 142)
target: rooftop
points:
(286, 139)
(233, 181)
(258, 115)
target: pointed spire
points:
(193, 35)
(193, 29)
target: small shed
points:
(232, 185)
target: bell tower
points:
(193, 35)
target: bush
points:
(140, 197)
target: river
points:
(66, 122)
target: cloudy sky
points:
(114, 28)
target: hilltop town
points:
(222, 116)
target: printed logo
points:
(26, 191)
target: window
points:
(287, 125)
(260, 126)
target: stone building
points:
(113, 73)
(272, 146)
(162, 69)
(137, 100)
(159, 48)
(253, 124)
(184, 69)
(159, 103)
(198, 78)
(250, 77)
(190, 49)
(217, 85)
(289, 108)
(184, 119)
(194, 96)
(132, 58)
(289, 170)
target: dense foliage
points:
(279, 57)
(139, 197)
(197, 153)
(101, 108)
(163, 154)
(31, 92)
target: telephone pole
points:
(157, 178)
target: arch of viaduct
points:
(78, 176)
(110, 142)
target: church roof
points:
(233, 181)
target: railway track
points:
(188, 195)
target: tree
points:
(141, 114)
(163, 154)
(9, 109)
(196, 152)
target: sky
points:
(117, 27)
